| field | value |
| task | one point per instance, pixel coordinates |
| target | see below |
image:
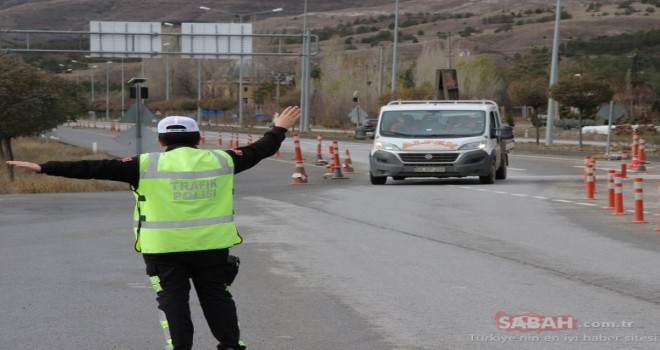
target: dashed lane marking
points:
(558, 200)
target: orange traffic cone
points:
(348, 164)
(331, 162)
(299, 176)
(336, 170)
(319, 156)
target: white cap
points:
(183, 124)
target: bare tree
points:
(532, 93)
(478, 78)
(582, 93)
(32, 102)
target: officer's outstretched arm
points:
(25, 165)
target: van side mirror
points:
(505, 132)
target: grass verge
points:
(40, 150)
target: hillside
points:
(608, 20)
(360, 28)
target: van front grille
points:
(428, 157)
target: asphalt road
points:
(339, 263)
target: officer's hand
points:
(288, 117)
(25, 165)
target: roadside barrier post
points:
(585, 161)
(590, 181)
(624, 170)
(638, 193)
(618, 195)
(593, 173)
(634, 161)
(642, 154)
(610, 189)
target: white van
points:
(446, 138)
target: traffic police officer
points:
(183, 220)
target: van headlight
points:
(386, 146)
(473, 145)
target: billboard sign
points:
(125, 39)
(221, 40)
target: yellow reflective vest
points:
(184, 202)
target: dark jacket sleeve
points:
(127, 169)
(124, 170)
(248, 156)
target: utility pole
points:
(107, 90)
(137, 85)
(554, 75)
(394, 46)
(304, 72)
(380, 72)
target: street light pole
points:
(92, 77)
(304, 72)
(167, 73)
(394, 46)
(554, 74)
(122, 87)
(240, 79)
(74, 62)
(199, 90)
(380, 72)
(107, 90)
(167, 65)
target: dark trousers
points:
(170, 275)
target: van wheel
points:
(377, 180)
(490, 178)
(501, 172)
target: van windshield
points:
(436, 123)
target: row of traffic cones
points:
(335, 167)
(234, 139)
(615, 190)
(112, 126)
(638, 150)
